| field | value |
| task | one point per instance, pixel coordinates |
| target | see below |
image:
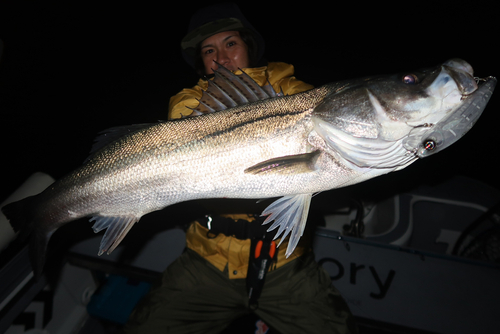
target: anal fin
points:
(290, 214)
(116, 229)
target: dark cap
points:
(212, 20)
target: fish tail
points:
(20, 216)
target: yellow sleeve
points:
(281, 77)
(181, 102)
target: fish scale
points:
(290, 146)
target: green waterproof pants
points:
(195, 297)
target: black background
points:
(73, 68)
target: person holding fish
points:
(232, 265)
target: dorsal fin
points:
(228, 90)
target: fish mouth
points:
(462, 99)
(463, 75)
(428, 139)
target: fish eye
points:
(410, 79)
(430, 145)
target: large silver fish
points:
(290, 146)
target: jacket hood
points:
(212, 20)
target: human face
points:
(226, 48)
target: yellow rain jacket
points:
(226, 252)
(279, 75)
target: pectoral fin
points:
(291, 164)
(116, 229)
(290, 214)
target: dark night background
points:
(71, 69)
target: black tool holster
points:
(263, 252)
(262, 255)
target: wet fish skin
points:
(292, 146)
(152, 167)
